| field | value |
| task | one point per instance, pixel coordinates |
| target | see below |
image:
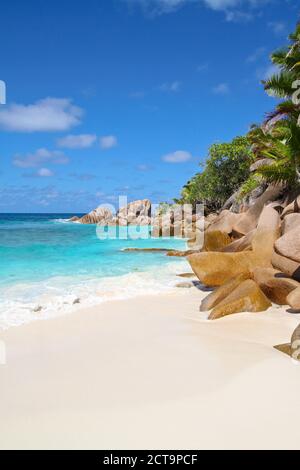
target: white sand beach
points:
(153, 373)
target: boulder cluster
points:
(249, 256)
(173, 222)
(251, 259)
(135, 213)
(177, 222)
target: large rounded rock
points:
(292, 348)
(247, 297)
(214, 269)
(213, 299)
(142, 220)
(274, 284)
(248, 221)
(210, 218)
(268, 231)
(292, 207)
(241, 244)
(101, 214)
(108, 222)
(291, 222)
(224, 222)
(286, 265)
(215, 240)
(134, 211)
(289, 245)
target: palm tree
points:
(288, 62)
(280, 144)
(278, 139)
(283, 84)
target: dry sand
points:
(151, 373)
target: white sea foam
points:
(61, 221)
(25, 302)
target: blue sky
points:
(125, 96)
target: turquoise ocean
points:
(50, 266)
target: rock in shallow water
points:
(146, 250)
(37, 309)
(188, 275)
(98, 215)
(184, 285)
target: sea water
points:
(50, 266)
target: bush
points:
(226, 168)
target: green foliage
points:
(288, 62)
(285, 151)
(279, 137)
(165, 207)
(252, 183)
(227, 166)
(280, 84)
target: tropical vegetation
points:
(273, 146)
(232, 159)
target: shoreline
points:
(104, 377)
(61, 295)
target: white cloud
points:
(180, 156)
(230, 7)
(47, 115)
(77, 141)
(39, 157)
(221, 4)
(256, 55)
(158, 6)
(221, 89)
(41, 173)
(108, 142)
(45, 172)
(278, 27)
(143, 167)
(172, 87)
(235, 16)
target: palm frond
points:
(280, 84)
(286, 108)
(278, 173)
